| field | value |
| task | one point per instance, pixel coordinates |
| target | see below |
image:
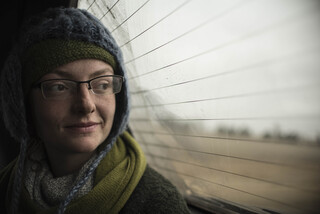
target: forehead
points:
(81, 70)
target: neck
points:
(65, 164)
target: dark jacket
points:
(152, 194)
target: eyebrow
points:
(97, 73)
(100, 73)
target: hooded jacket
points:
(135, 189)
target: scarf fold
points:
(45, 189)
(114, 181)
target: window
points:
(225, 97)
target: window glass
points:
(225, 96)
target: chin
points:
(80, 145)
(86, 147)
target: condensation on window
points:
(225, 96)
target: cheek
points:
(44, 116)
(107, 109)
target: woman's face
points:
(80, 123)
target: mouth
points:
(83, 127)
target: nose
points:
(84, 103)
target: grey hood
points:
(66, 23)
(57, 23)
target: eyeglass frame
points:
(39, 84)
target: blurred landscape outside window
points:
(225, 97)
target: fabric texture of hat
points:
(57, 24)
(43, 57)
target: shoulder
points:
(5, 176)
(155, 194)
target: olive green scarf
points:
(115, 179)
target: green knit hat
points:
(45, 56)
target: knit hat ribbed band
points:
(43, 57)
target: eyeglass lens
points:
(62, 88)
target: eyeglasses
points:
(63, 88)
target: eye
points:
(55, 87)
(101, 85)
(58, 87)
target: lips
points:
(83, 127)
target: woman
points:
(65, 99)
